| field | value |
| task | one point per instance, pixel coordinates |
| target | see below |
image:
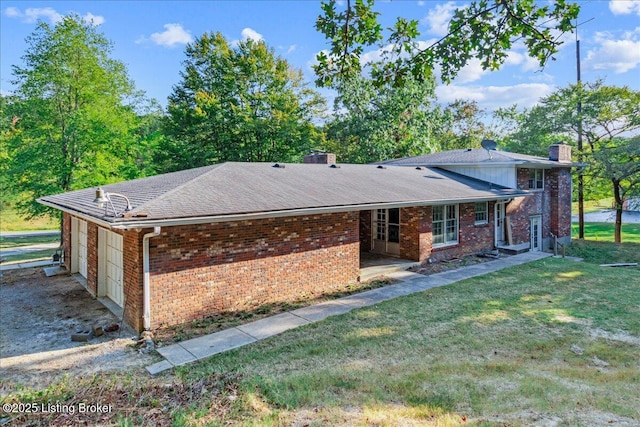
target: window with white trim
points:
(536, 179)
(481, 213)
(445, 225)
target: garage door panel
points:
(112, 266)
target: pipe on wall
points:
(146, 280)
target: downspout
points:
(146, 279)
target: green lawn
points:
(10, 220)
(551, 342)
(593, 205)
(604, 232)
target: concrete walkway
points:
(410, 283)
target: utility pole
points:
(580, 157)
(580, 153)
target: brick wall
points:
(92, 257)
(199, 270)
(553, 204)
(416, 234)
(133, 276)
(560, 204)
(66, 239)
(366, 235)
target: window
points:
(445, 225)
(536, 179)
(482, 213)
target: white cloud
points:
(493, 97)
(421, 3)
(249, 33)
(94, 20)
(619, 55)
(471, 72)
(31, 15)
(624, 7)
(291, 49)
(173, 34)
(437, 20)
(12, 12)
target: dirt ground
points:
(38, 314)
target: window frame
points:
(445, 225)
(477, 221)
(532, 179)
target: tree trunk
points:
(618, 201)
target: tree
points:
(71, 117)
(465, 126)
(373, 124)
(484, 29)
(619, 162)
(237, 103)
(608, 117)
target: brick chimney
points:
(320, 158)
(560, 153)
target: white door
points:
(113, 268)
(386, 231)
(79, 247)
(536, 233)
(499, 224)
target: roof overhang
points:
(132, 224)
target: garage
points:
(79, 247)
(110, 271)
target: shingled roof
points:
(232, 191)
(476, 157)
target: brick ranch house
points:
(234, 236)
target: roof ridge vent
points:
(278, 165)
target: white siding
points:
(502, 175)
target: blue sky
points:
(150, 36)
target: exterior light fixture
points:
(103, 199)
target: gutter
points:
(146, 279)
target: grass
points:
(593, 205)
(10, 220)
(9, 243)
(604, 232)
(551, 342)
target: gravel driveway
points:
(38, 316)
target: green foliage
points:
(606, 116)
(237, 103)
(465, 126)
(71, 119)
(378, 123)
(484, 29)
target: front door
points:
(386, 231)
(499, 224)
(536, 233)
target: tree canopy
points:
(237, 103)
(609, 121)
(373, 124)
(484, 29)
(71, 116)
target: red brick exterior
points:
(552, 203)
(66, 239)
(366, 236)
(132, 277)
(200, 270)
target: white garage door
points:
(113, 267)
(79, 233)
